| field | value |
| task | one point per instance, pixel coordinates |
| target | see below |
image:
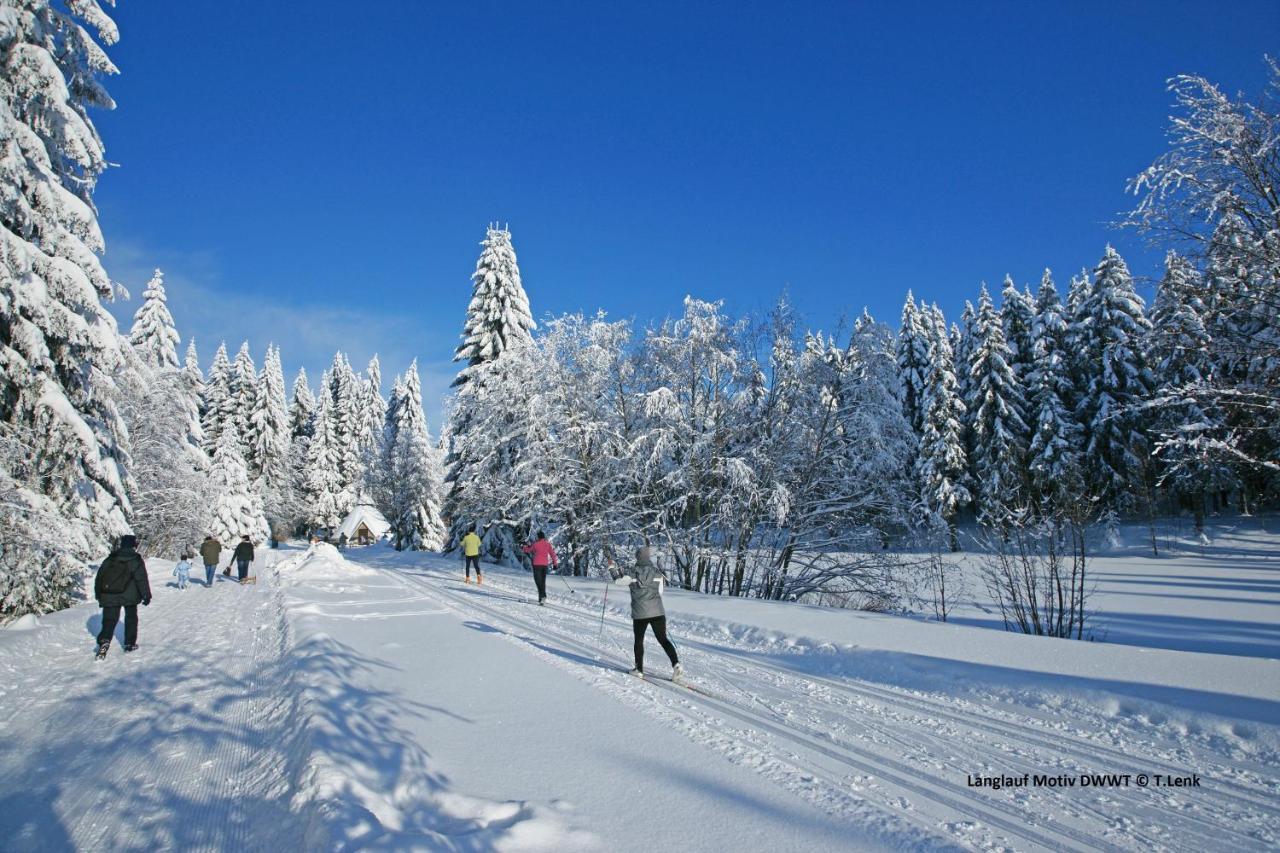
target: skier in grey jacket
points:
(646, 582)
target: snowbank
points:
(320, 562)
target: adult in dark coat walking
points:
(243, 556)
(121, 582)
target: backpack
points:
(114, 574)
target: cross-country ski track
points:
(378, 702)
(848, 746)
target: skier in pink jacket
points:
(542, 555)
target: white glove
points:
(624, 580)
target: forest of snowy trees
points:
(765, 459)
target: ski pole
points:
(603, 605)
(572, 591)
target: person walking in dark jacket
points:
(121, 582)
(210, 552)
(646, 582)
(243, 556)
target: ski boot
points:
(638, 673)
(677, 673)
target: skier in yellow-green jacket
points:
(471, 554)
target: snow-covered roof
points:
(372, 519)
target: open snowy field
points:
(377, 702)
(1218, 595)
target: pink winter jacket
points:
(543, 554)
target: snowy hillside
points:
(379, 702)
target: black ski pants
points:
(540, 580)
(473, 561)
(659, 624)
(111, 616)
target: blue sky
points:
(320, 174)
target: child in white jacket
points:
(183, 571)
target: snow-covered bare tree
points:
(1215, 196)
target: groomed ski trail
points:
(874, 753)
(171, 746)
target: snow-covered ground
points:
(379, 702)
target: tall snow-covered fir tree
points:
(217, 391)
(1196, 449)
(242, 391)
(345, 391)
(997, 424)
(236, 509)
(268, 441)
(194, 380)
(154, 336)
(321, 481)
(373, 413)
(64, 483)
(941, 464)
(1018, 316)
(913, 354)
(498, 319)
(1053, 454)
(1116, 381)
(302, 407)
(406, 481)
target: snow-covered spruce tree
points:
(58, 345)
(302, 408)
(301, 427)
(913, 347)
(998, 425)
(242, 392)
(1216, 195)
(268, 444)
(1053, 455)
(193, 380)
(154, 336)
(236, 509)
(498, 318)
(345, 393)
(1017, 316)
(373, 415)
(321, 481)
(1196, 450)
(1117, 382)
(406, 481)
(217, 390)
(941, 464)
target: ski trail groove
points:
(1011, 821)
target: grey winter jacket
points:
(646, 591)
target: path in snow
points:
(863, 751)
(174, 746)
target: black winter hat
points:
(128, 541)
